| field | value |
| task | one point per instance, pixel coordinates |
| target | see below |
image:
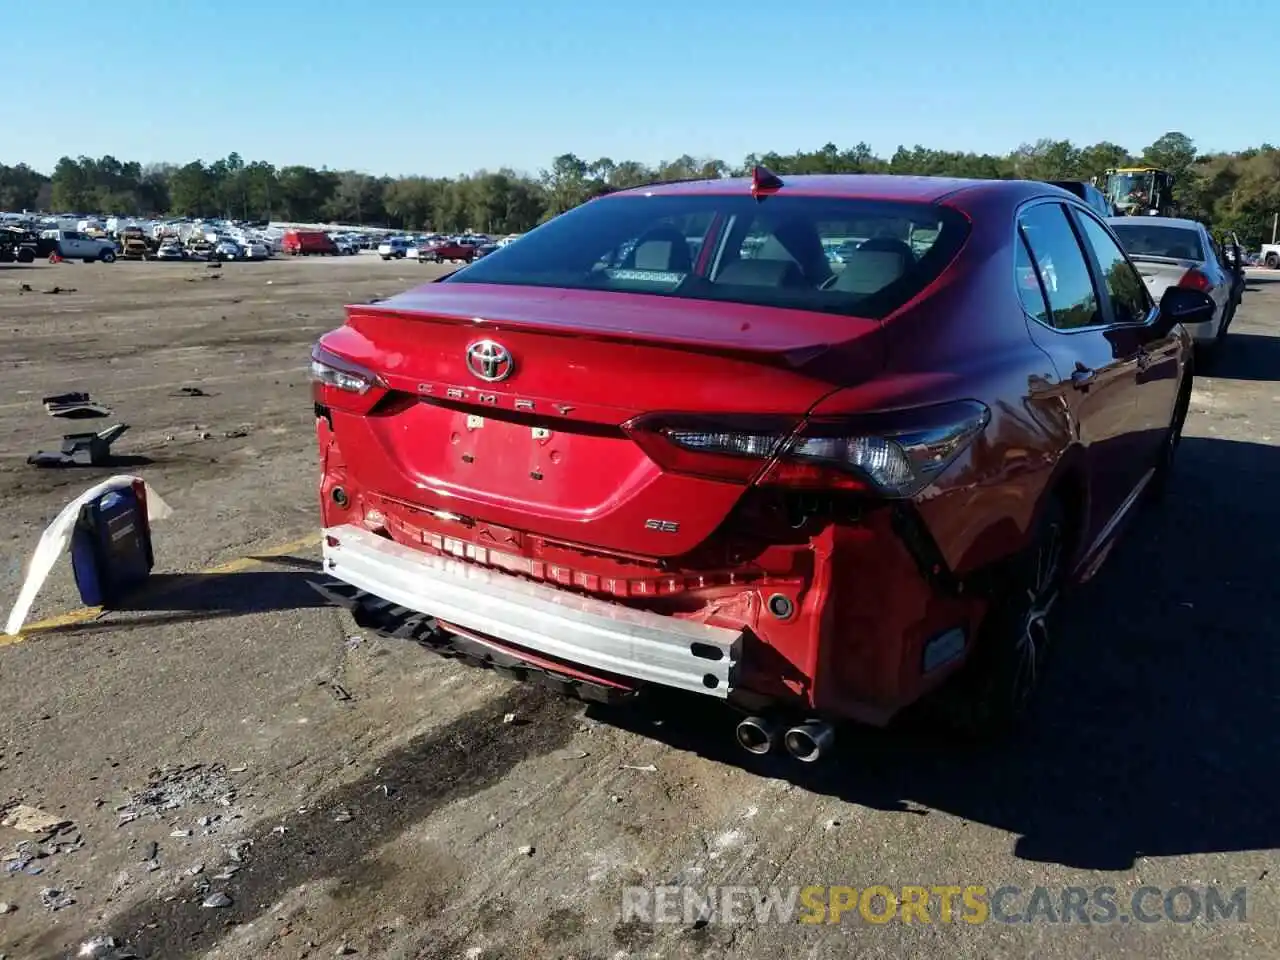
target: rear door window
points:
(1130, 302)
(1061, 266)
(1029, 288)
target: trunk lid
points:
(540, 449)
(1160, 273)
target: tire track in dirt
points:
(468, 755)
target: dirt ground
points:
(233, 739)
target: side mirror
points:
(1183, 305)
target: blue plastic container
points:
(111, 547)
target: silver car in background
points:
(1172, 252)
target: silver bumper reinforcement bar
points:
(580, 630)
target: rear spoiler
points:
(792, 353)
(1154, 258)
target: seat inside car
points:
(761, 273)
(662, 249)
(874, 265)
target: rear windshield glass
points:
(857, 257)
(1151, 240)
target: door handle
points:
(1082, 376)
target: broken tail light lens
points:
(344, 384)
(1193, 279)
(895, 454)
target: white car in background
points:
(393, 248)
(1173, 252)
(171, 249)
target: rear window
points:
(1151, 240)
(861, 258)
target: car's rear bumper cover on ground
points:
(604, 636)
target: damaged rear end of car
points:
(655, 443)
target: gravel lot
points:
(347, 791)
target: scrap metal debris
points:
(173, 787)
(189, 392)
(55, 899)
(238, 851)
(30, 856)
(74, 406)
(81, 449)
(340, 693)
(105, 948)
(97, 948)
(56, 290)
(216, 900)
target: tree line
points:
(1231, 191)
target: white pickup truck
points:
(74, 245)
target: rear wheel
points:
(1158, 487)
(1272, 260)
(994, 691)
(107, 256)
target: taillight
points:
(733, 448)
(341, 383)
(894, 454)
(1193, 279)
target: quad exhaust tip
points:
(757, 735)
(809, 742)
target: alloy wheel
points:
(1033, 641)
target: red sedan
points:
(673, 438)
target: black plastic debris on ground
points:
(189, 392)
(74, 406)
(81, 449)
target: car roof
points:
(853, 186)
(1159, 221)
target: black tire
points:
(107, 256)
(1272, 260)
(992, 695)
(1158, 488)
(26, 256)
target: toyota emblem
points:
(490, 361)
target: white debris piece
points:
(30, 819)
(54, 540)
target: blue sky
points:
(439, 88)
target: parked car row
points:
(439, 248)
